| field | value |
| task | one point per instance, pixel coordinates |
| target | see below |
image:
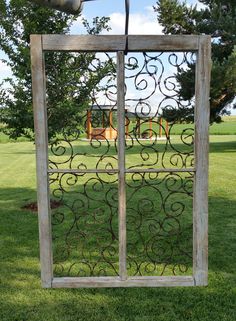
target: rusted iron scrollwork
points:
(159, 173)
(159, 204)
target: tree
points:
(67, 94)
(218, 19)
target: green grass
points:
(23, 299)
(226, 127)
(5, 139)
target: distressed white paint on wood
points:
(83, 43)
(163, 43)
(40, 121)
(137, 170)
(121, 163)
(115, 282)
(200, 199)
(62, 170)
(118, 43)
(160, 170)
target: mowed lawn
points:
(226, 127)
(23, 299)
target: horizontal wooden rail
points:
(163, 43)
(83, 43)
(86, 171)
(111, 171)
(102, 282)
(114, 43)
(160, 170)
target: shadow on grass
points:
(18, 228)
(146, 148)
(28, 152)
(223, 147)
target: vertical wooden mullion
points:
(41, 138)
(121, 164)
(200, 199)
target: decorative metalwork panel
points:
(159, 205)
(158, 111)
(159, 223)
(88, 138)
(85, 226)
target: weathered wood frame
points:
(199, 44)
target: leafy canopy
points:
(67, 91)
(218, 19)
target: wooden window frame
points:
(201, 45)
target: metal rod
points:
(127, 7)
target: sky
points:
(142, 16)
(143, 20)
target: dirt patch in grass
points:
(34, 206)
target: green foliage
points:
(66, 97)
(98, 25)
(217, 19)
(223, 83)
